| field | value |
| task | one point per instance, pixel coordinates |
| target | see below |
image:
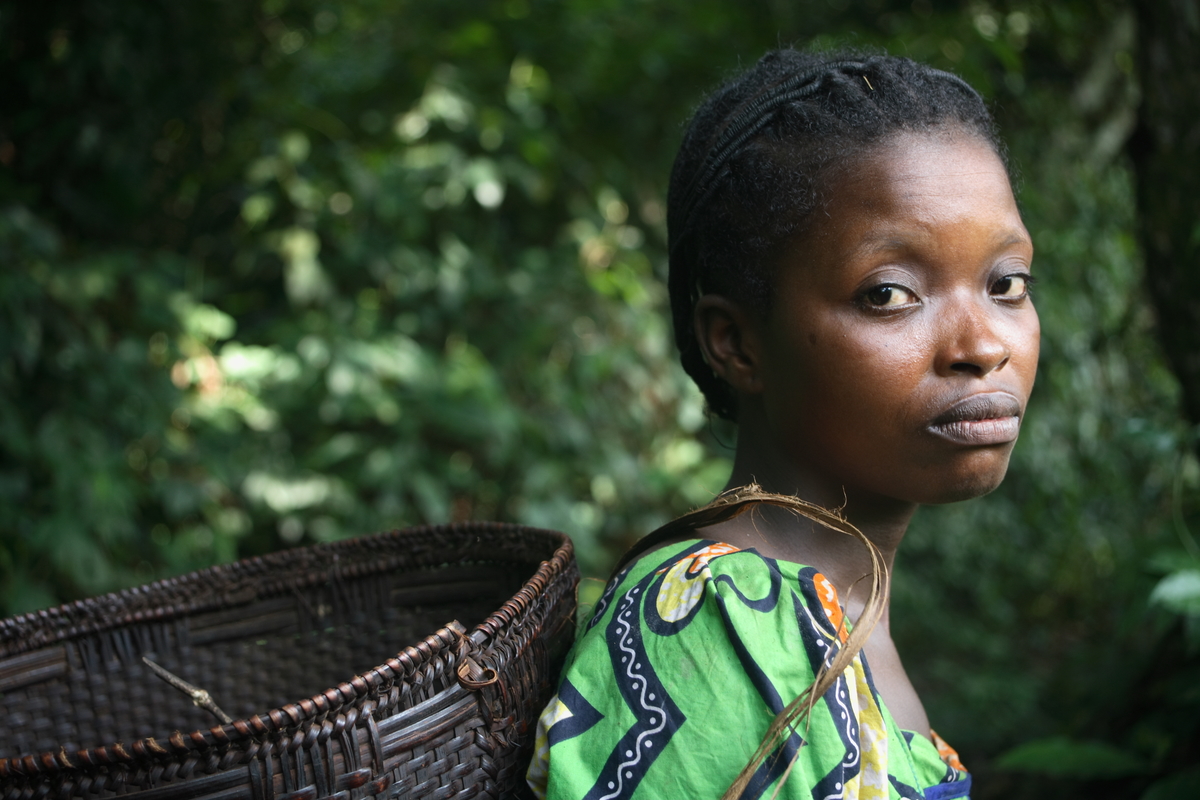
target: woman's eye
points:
(1012, 287)
(888, 296)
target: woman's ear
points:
(729, 341)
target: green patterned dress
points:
(691, 652)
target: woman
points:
(850, 284)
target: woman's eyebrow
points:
(1016, 237)
(878, 242)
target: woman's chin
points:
(968, 486)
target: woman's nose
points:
(972, 341)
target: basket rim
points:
(292, 715)
(77, 618)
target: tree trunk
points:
(1166, 156)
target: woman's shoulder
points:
(678, 576)
(708, 559)
(689, 654)
(688, 646)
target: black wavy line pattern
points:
(658, 718)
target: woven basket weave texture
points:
(323, 657)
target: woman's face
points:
(901, 345)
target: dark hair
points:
(757, 155)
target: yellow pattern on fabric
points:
(871, 783)
(683, 584)
(539, 767)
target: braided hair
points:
(758, 155)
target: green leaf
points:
(1177, 786)
(1060, 757)
(204, 322)
(1179, 592)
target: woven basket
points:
(451, 716)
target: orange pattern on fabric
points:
(829, 601)
(700, 558)
(948, 753)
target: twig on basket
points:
(199, 696)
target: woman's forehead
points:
(918, 194)
(924, 176)
(917, 158)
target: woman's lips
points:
(980, 419)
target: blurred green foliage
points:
(296, 271)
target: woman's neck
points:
(779, 533)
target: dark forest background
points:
(285, 272)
